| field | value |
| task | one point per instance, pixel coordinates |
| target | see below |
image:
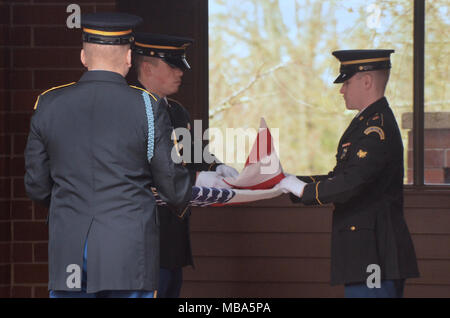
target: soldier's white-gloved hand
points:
(293, 185)
(210, 179)
(227, 171)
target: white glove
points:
(293, 185)
(210, 179)
(227, 171)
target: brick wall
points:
(5, 153)
(436, 147)
(274, 248)
(37, 52)
(437, 156)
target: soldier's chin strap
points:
(151, 125)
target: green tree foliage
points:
(271, 60)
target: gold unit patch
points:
(375, 129)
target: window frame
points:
(418, 97)
(419, 101)
(419, 93)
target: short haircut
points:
(109, 54)
(380, 78)
(138, 59)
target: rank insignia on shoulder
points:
(361, 154)
(375, 129)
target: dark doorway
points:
(181, 18)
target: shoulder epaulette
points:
(51, 89)
(175, 101)
(142, 89)
(376, 119)
(374, 125)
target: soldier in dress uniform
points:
(94, 150)
(365, 186)
(160, 61)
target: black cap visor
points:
(177, 61)
(343, 77)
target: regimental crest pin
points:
(344, 152)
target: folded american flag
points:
(255, 182)
(205, 196)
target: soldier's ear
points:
(83, 58)
(368, 80)
(129, 58)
